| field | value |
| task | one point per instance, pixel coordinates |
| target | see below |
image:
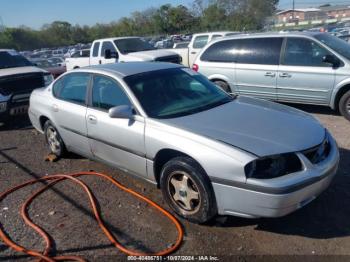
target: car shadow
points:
(324, 218)
(314, 109)
(17, 123)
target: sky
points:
(35, 13)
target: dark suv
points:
(18, 78)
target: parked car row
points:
(206, 136)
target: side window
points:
(215, 37)
(107, 93)
(95, 49)
(200, 41)
(223, 51)
(107, 45)
(76, 54)
(264, 51)
(304, 52)
(85, 53)
(73, 87)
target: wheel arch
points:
(165, 155)
(339, 93)
(42, 121)
(219, 77)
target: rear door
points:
(198, 43)
(95, 59)
(303, 77)
(69, 111)
(120, 142)
(257, 66)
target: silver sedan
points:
(209, 152)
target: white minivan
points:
(307, 68)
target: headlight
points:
(48, 79)
(3, 106)
(273, 166)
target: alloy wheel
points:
(52, 139)
(184, 191)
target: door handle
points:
(285, 75)
(193, 53)
(55, 108)
(92, 119)
(100, 62)
(270, 74)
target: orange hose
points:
(45, 255)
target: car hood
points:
(151, 54)
(260, 127)
(20, 70)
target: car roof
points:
(271, 34)
(7, 50)
(129, 68)
(214, 33)
(115, 38)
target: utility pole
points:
(2, 27)
(293, 10)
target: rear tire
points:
(188, 190)
(344, 105)
(54, 140)
(223, 85)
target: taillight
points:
(195, 67)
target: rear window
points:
(245, 51)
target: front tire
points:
(54, 140)
(344, 105)
(223, 85)
(188, 190)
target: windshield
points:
(175, 92)
(337, 44)
(129, 45)
(9, 59)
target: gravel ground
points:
(319, 231)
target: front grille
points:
(23, 83)
(171, 59)
(319, 153)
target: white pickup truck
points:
(121, 49)
(198, 41)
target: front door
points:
(108, 45)
(120, 142)
(257, 66)
(303, 77)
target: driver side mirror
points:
(124, 111)
(109, 54)
(331, 59)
